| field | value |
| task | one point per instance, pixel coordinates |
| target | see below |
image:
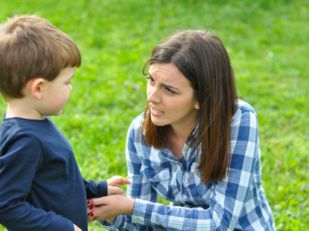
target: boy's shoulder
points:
(24, 127)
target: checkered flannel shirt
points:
(235, 203)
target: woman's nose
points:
(153, 94)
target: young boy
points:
(41, 187)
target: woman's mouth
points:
(155, 112)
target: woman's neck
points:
(184, 131)
(178, 138)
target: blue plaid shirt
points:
(237, 202)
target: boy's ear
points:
(35, 87)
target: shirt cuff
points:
(118, 223)
(142, 212)
(102, 188)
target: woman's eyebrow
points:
(164, 84)
(170, 86)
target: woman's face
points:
(170, 97)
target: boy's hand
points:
(117, 180)
(113, 182)
(76, 228)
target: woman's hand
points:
(108, 207)
(113, 184)
(90, 210)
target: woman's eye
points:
(149, 78)
(169, 90)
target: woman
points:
(196, 145)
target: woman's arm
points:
(227, 198)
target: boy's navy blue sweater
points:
(41, 187)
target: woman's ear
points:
(35, 87)
(197, 106)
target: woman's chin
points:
(158, 122)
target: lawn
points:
(268, 45)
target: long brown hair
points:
(204, 61)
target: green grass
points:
(269, 49)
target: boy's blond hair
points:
(32, 47)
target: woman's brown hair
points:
(204, 61)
